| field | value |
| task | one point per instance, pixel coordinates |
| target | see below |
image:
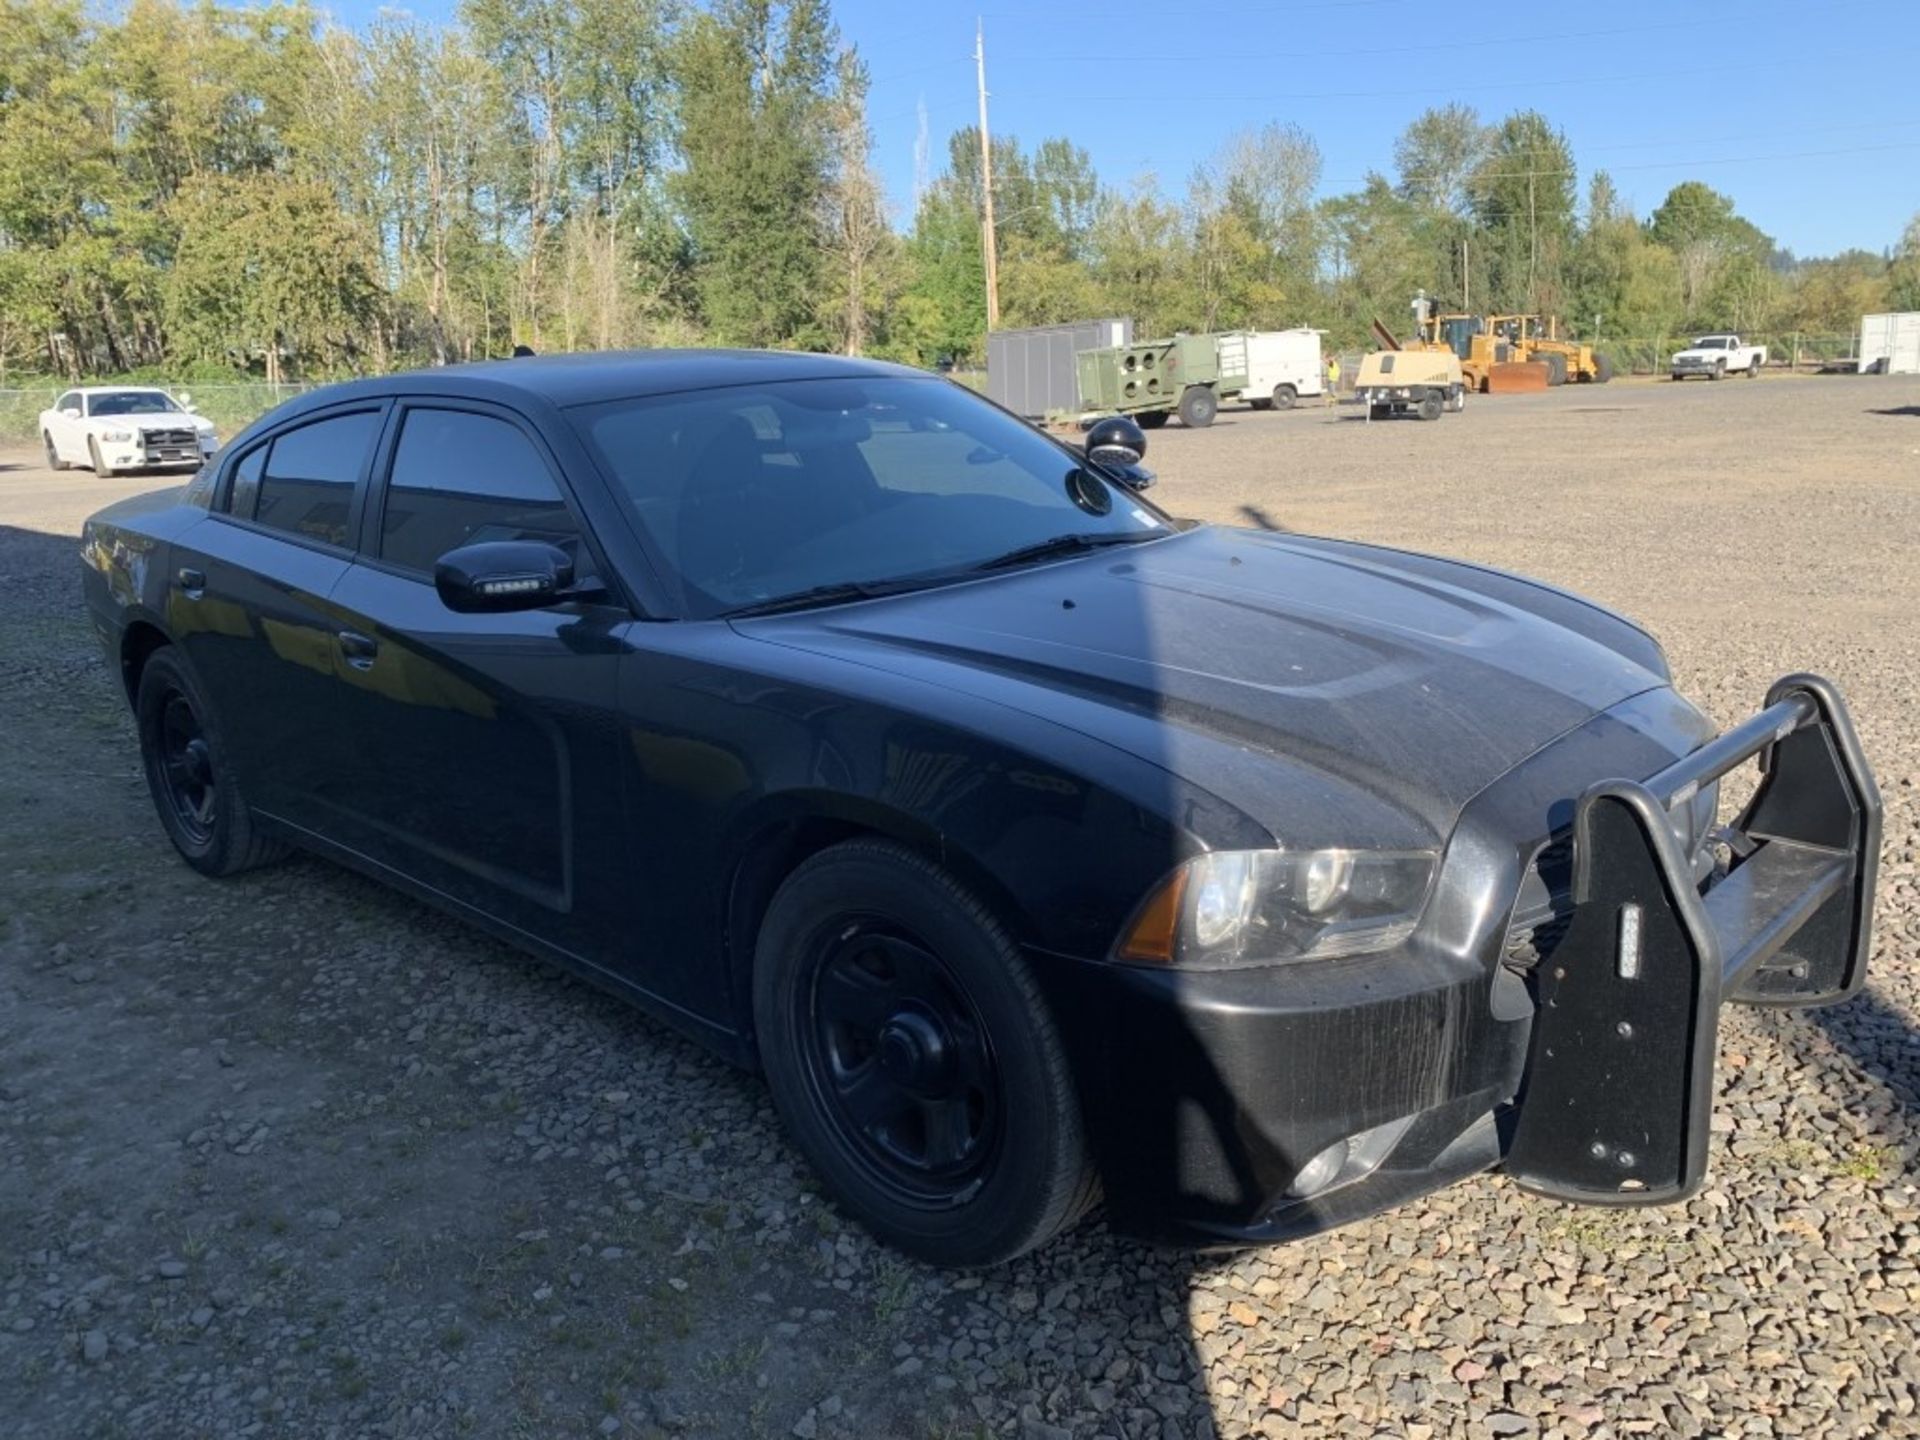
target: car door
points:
(63, 428)
(484, 758)
(248, 601)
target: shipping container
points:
(1034, 372)
(1890, 344)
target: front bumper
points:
(1212, 1097)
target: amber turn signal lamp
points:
(1151, 935)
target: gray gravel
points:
(292, 1156)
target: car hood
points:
(1335, 693)
(149, 422)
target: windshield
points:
(1713, 342)
(756, 492)
(132, 402)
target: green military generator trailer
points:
(1187, 376)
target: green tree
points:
(756, 135)
(1903, 273)
(1523, 198)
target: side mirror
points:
(495, 576)
(186, 400)
(1116, 445)
(72, 412)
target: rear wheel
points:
(1198, 406)
(1602, 369)
(100, 467)
(1151, 419)
(914, 1061)
(1285, 397)
(194, 789)
(1429, 407)
(1556, 369)
(1753, 368)
(54, 462)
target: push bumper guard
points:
(1618, 1092)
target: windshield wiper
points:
(1066, 545)
(834, 594)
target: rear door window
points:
(306, 487)
(460, 478)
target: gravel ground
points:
(291, 1156)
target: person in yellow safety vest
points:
(1333, 380)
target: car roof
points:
(586, 378)
(117, 389)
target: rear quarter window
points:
(306, 482)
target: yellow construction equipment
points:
(1534, 338)
(1489, 362)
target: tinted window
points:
(244, 493)
(460, 478)
(134, 402)
(307, 487)
(756, 492)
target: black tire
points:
(1198, 406)
(1719, 371)
(54, 462)
(1753, 368)
(1379, 412)
(1602, 369)
(1151, 419)
(1556, 368)
(1255, 403)
(1285, 397)
(914, 1060)
(194, 789)
(100, 467)
(1430, 406)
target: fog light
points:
(1320, 1172)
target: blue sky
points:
(1804, 113)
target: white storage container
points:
(1284, 366)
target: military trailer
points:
(1425, 383)
(1187, 376)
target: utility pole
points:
(986, 180)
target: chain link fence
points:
(229, 406)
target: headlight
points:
(116, 437)
(1253, 907)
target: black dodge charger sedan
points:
(1037, 845)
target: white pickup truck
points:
(1718, 356)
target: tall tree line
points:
(212, 190)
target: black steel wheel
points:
(194, 790)
(902, 1060)
(913, 1059)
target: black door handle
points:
(191, 581)
(359, 649)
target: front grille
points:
(1544, 908)
(171, 446)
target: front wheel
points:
(54, 462)
(1719, 371)
(1556, 369)
(100, 467)
(1429, 407)
(914, 1060)
(1602, 369)
(194, 788)
(1151, 419)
